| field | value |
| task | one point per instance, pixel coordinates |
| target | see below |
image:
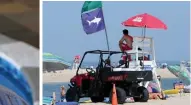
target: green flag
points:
(89, 5)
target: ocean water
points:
(94, 64)
(49, 88)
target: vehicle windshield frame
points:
(101, 53)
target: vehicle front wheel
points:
(72, 95)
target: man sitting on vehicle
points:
(128, 42)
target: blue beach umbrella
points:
(14, 82)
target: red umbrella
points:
(146, 21)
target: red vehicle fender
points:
(78, 78)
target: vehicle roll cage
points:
(101, 53)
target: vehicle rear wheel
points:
(144, 95)
(121, 95)
(97, 99)
(72, 95)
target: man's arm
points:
(121, 40)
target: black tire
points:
(121, 95)
(97, 99)
(72, 95)
(144, 95)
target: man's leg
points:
(121, 47)
(125, 47)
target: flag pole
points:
(106, 32)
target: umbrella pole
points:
(143, 33)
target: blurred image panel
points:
(19, 52)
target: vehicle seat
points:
(105, 69)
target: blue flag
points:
(93, 21)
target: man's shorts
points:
(125, 47)
(124, 57)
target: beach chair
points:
(47, 100)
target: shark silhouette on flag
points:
(93, 21)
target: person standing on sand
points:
(76, 62)
(62, 94)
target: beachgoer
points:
(128, 41)
(62, 94)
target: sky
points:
(63, 33)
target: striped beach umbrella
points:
(53, 62)
(149, 89)
(154, 87)
(180, 72)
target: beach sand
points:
(175, 100)
(66, 75)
